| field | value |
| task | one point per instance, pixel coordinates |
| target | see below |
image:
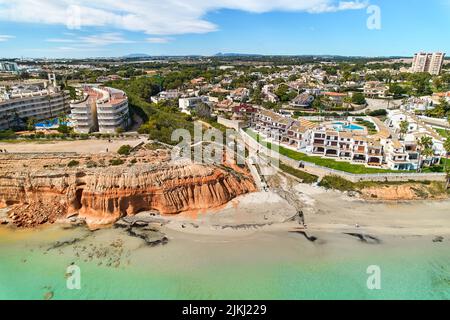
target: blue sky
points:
(91, 28)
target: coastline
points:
(295, 241)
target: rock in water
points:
(438, 239)
(48, 295)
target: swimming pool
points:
(49, 124)
(341, 126)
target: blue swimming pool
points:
(48, 124)
(341, 126)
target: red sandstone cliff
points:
(103, 195)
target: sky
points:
(112, 28)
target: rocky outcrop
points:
(103, 195)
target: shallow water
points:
(262, 265)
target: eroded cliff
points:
(44, 189)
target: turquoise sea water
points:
(210, 269)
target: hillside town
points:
(391, 114)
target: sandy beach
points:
(324, 211)
(295, 241)
(93, 146)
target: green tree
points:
(358, 98)
(421, 83)
(404, 125)
(64, 129)
(285, 93)
(203, 110)
(438, 84)
(425, 149)
(396, 90)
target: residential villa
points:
(346, 141)
(396, 156)
(186, 105)
(281, 129)
(239, 95)
(335, 97)
(376, 89)
(243, 112)
(166, 95)
(303, 100)
(441, 95)
(224, 106)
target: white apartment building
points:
(24, 102)
(102, 109)
(9, 67)
(416, 129)
(428, 62)
(186, 105)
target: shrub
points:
(378, 113)
(124, 150)
(304, 176)
(7, 134)
(116, 162)
(338, 183)
(64, 129)
(73, 163)
(120, 130)
(91, 164)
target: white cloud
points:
(103, 39)
(159, 40)
(60, 40)
(4, 37)
(153, 17)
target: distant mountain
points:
(232, 54)
(136, 55)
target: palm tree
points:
(426, 149)
(447, 171)
(404, 126)
(63, 118)
(348, 102)
(447, 152)
(31, 124)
